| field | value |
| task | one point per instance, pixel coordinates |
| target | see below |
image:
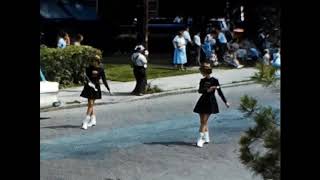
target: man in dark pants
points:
(197, 48)
(139, 62)
(222, 44)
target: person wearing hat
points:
(92, 89)
(207, 103)
(139, 62)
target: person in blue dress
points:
(180, 55)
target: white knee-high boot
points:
(200, 141)
(206, 137)
(93, 121)
(85, 122)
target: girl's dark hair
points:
(205, 69)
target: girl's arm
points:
(104, 79)
(221, 94)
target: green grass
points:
(124, 73)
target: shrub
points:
(265, 74)
(67, 65)
(152, 89)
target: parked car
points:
(48, 92)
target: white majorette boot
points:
(85, 122)
(200, 141)
(206, 137)
(93, 121)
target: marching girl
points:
(207, 103)
(92, 90)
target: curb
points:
(147, 96)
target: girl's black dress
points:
(207, 103)
(94, 74)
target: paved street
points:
(148, 139)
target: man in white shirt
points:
(139, 62)
(187, 37)
(197, 43)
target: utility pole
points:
(97, 7)
(146, 19)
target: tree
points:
(260, 145)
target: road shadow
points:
(62, 127)
(179, 143)
(69, 90)
(44, 118)
(121, 94)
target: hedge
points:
(67, 65)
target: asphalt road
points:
(150, 139)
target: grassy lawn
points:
(124, 73)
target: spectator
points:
(67, 39)
(222, 44)
(187, 36)
(231, 58)
(61, 41)
(210, 38)
(79, 39)
(177, 19)
(209, 48)
(276, 62)
(179, 44)
(189, 42)
(197, 43)
(266, 57)
(139, 62)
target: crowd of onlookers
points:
(64, 40)
(217, 49)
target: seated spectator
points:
(230, 57)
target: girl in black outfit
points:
(92, 90)
(207, 103)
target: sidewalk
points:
(70, 97)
